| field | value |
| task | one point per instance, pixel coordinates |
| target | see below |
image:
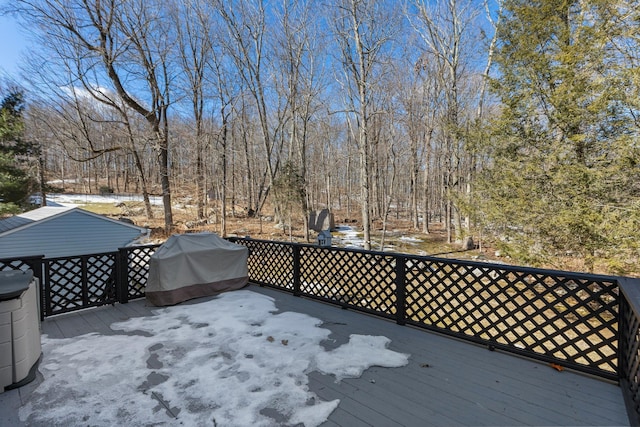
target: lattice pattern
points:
(364, 280)
(138, 269)
(78, 282)
(101, 278)
(13, 264)
(22, 264)
(270, 263)
(569, 319)
(631, 354)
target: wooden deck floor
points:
(446, 383)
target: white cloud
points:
(227, 359)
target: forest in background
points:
(507, 119)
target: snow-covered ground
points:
(79, 199)
(410, 239)
(219, 362)
(348, 237)
(344, 236)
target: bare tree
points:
(243, 84)
(87, 130)
(121, 45)
(246, 43)
(421, 96)
(193, 28)
(362, 41)
(443, 27)
(298, 53)
(226, 95)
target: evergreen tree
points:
(288, 191)
(564, 176)
(14, 180)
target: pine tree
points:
(288, 192)
(564, 174)
(15, 183)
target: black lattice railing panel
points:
(269, 263)
(138, 269)
(578, 320)
(630, 355)
(63, 284)
(358, 279)
(101, 278)
(564, 318)
(22, 264)
(78, 282)
(33, 263)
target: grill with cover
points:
(194, 265)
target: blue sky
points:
(14, 43)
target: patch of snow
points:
(410, 239)
(77, 199)
(347, 237)
(350, 360)
(220, 362)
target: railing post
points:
(401, 285)
(628, 326)
(46, 288)
(36, 267)
(296, 270)
(623, 309)
(122, 276)
(84, 261)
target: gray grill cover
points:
(194, 265)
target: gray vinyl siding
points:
(13, 222)
(73, 233)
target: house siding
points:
(73, 233)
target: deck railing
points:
(586, 322)
(590, 323)
(78, 282)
